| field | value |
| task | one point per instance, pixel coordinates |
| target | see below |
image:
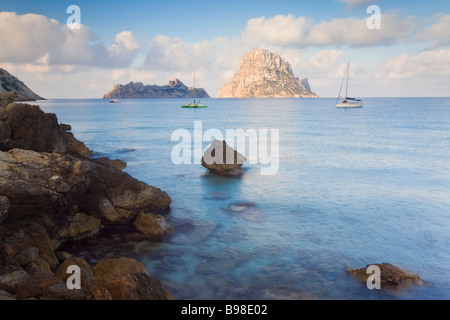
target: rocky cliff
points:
(9, 83)
(263, 74)
(173, 89)
(52, 193)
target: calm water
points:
(354, 187)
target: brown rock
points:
(75, 147)
(32, 129)
(63, 255)
(36, 286)
(38, 266)
(51, 187)
(153, 225)
(88, 278)
(6, 251)
(22, 235)
(61, 292)
(118, 164)
(6, 296)
(80, 226)
(27, 255)
(27, 127)
(392, 277)
(112, 268)
(221, 159)
(65, 127)
(7, 98)
(136, 286)
(8, 282)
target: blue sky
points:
(155, 41)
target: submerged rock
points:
(126, 279)
(221, 159)
(392, 277)
(153, 225)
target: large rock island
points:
(52, 192)
(263, 74)
(137, 90)
(9, 83)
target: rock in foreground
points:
(51, 192)
(263, 74)
(392, 277)
(221, 159)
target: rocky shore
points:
(52, 192)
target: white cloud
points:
(213, 61)
(431, 64)
(33, 38)
(439, 32)
(301, 32)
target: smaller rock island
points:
(137, 90)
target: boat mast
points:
(348, 72)
(342, 84)
(194, 86)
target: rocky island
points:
(9, 83)
(52, 192)
(173, 89)
(263, 74)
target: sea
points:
(348, 188)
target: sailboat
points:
(348, 102)
(194, 105)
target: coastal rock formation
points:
(173, 89)
(9, 83)
(51, 192)
(263, 74)
(58, 187)
(305, 83)
(221, 159)
(27, 127)
(392, 277)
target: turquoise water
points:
(354, 187)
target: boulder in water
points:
(221, 159)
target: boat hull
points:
(350, 105)
(194, 106)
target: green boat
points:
(194, 105)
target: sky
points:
(153, 42)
